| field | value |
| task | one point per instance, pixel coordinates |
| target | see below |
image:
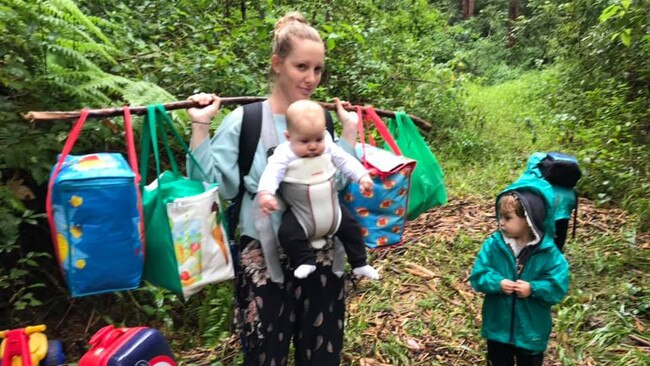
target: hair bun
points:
(288, 18)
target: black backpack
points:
(560, 169)
(249, 137)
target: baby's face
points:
(307, 140)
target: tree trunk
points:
(467, 7)
(513, 14)
(242, 5)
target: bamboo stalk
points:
(34, 116)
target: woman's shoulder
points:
(232, 119)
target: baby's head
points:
(512, 218)
(306, 128)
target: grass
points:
(432, 317)
(504, 124)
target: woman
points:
(270, 313)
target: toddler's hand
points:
(268, 203)
(522, 289)
(366, 183)
(507, 286)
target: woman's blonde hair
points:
(292, 25)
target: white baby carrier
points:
(309, 189)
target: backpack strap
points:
(575, 215)
(249, 136)
(329, 124)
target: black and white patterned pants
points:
(307, 311)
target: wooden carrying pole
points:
(119, 111)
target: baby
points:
(303, 168)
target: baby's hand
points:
(522, 288)
(507, 286)
(268, 203)
(366, 183)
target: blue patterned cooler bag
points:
(94, 212)
(382, 212)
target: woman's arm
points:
(201, 117)
(217, 157)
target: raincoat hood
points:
(536, 197)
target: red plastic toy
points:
(28, 346)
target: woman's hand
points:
(348, 123)
(201, 117)
(210, 107)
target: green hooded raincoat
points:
(523, 322)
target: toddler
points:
(522, 274)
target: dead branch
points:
(34, 116)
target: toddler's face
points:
(512, 225)
(307, 140)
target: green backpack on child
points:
(563, 172)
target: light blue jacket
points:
(218, 158)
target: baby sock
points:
(366, 271)
(304, 270)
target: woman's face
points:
(299, 73)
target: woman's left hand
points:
(348, 124)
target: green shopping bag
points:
(427, 180)
(184, 233)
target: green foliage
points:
(16, 275)
(575, 80)
(604, 91)
(214, 313)
(54, 58)
(489, 150)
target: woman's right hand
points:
(210, 107)
(201, 117)
(349, 125)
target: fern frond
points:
(145, 93)
(66, 82)
(70, 8)
(76, 58)
(88, 48)
(108, 82)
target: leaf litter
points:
(423, 310)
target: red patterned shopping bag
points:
(381, 212)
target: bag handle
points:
(371, 117)
(67, 148)
(383, 130)
(150, 138)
